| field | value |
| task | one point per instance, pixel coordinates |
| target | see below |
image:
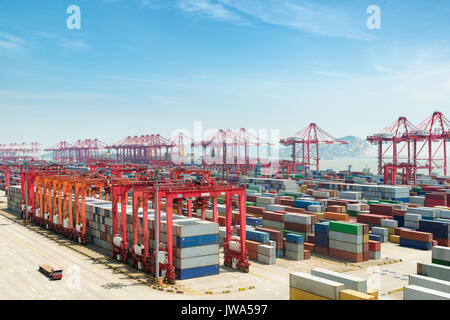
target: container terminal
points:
(144, 218)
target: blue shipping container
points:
(415, 244)
(190, 273)
(187, 242)
(294, 238)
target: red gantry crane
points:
(398, 153)
(301, 143)
(228, 150)
(434, 129)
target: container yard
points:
(220, 157)
(158, 229)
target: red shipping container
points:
(381, 208)
(365, 247)
(222, 221)
(374, 245)
(287, 202)
(273, 216)
(258, 210)
(434, 243)
(366, 256)
(305, 228)
(371, 218)
(251, 198)
(345, 255)
(309, 246)
(416, 235)
(252, 245)
(443, 242)
(337, 209)
(306, 254)
(399, 212)
(293, 209)
(320, 250)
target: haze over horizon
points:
(151, 66)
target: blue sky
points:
(152, 66)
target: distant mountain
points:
(356, 147)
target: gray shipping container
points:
(316, 285)
(293, 255)
(345, 237)
(433, 270)
(413, 292)
(430, 283)
(195, 262)
(345, 246)
(350, 282)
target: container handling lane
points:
(22, 250)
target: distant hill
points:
(356, 147)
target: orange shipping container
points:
(336, 216)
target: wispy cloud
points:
(10, 42)
(305, 15)
(211, 9)
(66, 44)
(11, 95)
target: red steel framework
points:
(80, 151)
(143, 149)
(54, 192)
(173, 190)
(434, 129)
(393, 157)
(302, 141)
(14, 152)
(228, 151)
(411, 148)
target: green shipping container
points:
(249, 204)
(345, 227)
(441, 262)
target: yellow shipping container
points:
(391, 231)
(373, 293)
(366, 238)
(319, 215)
(297, 294)
(394, 238)
(349, 294)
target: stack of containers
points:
(266, 254)
(374, 249)
(321, 238)
(425, 213)
(277, 237)
(304, 203)
(390, 225)
(294, 246)
(298, 222)
(416, 239)
(444, 213)
(196, 246)
(273, 220)
(435, 199)
(346, 241)
(412, 221)
(441, 255)
(353, 209)
(383, 232)
(440, 231)
(254, 221)
(264, 202)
